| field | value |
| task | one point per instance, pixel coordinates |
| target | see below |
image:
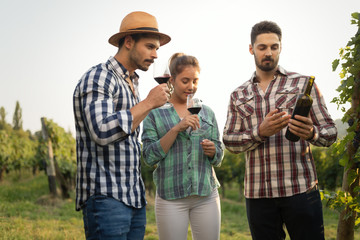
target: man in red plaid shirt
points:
(280, 175)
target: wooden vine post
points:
(50, 167)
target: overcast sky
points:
(46, 46)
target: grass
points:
(27, 212)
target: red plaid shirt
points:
(275, 167)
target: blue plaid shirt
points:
(108, 153)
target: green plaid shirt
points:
(185, 170)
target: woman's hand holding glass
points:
(194, 106)
(188, 121)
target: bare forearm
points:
(139, 112)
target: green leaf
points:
(356, 16)
(335, 64)
(357, 222)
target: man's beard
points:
(136, 59)
(142, 67)
(268, 67)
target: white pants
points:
(204, 213)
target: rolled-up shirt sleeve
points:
(104, 123)
(325, 129)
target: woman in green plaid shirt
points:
(186, 184)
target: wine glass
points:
(194, 106)
(162, 74)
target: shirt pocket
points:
(285, 99)
(245, 106)
(207, 126)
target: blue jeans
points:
(107, 218)
(301, 214)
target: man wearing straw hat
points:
(108, 112)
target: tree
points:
(5, 151)
(2, 115)
(232, 170)
(347, 200)
(328, 169)
(17, 118)
(3, 124)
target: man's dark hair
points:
(137, 37)
(264, 27)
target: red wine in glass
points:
(162, 79)
(194, 107)
(193, 104)
(162, 75)
(194, 110)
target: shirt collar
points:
(122, 71)
(280, 70)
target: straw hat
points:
(138, 22)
